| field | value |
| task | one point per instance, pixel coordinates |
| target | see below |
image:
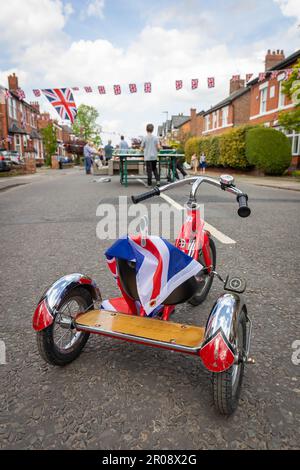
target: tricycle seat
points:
(127, 275)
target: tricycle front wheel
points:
(227, 385)
(60, 343)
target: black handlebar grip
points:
(243, 210)
(141, 197)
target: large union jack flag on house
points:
(63, 102)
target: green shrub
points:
(233, 148)
(191, 147)
(213, 151)
(268, 149)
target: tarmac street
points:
(120, 395)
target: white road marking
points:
(215, 232)
(143, 182)
(172, 202)
(219, 235)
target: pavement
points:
(118, 395)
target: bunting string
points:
(147, 87)
(63, 101)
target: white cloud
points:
(159, 54)
(23, 24)
(289, 7)
(94, 9)
(68, 9)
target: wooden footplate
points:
(150, 331)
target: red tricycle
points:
(154, 276)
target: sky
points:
(66, 43)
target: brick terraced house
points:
(231, 112)
(193, 126)
(267, 99)
(18, 129)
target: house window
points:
(207, 122)
(225, 116)
(18, 146)
(12, 108)
(272, 91)
(263, 100)
(281, 96)
(37, 148)
(214, 120)
(295, 142)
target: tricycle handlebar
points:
(242, 198)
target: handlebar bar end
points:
(244, 211)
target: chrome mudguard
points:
(218, 350)
(47, 307)
(224, 315)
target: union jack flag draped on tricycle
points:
(160, 267)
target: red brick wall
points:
(241, 110)
(272, 103)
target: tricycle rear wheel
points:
(227, 385)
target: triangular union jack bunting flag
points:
(261, 76)
(288, 73)
(63, 102)
(7, 94)
(210, 82)
(178, 84)
(132, 88)
(195, 83)
(117, 89)
(274, 74)
(88, 89)
(101, 89)
(36, 92)
(21, 94)
(147, 87)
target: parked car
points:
(5, 161)
(15, 157)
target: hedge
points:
(242, 147)
(233, 148)
(227, 149)
(269, 150)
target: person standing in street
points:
(203, 162)
(180, 168)
(88, 152)
(150, 145)
(123, 145)
(194, 163)
(108, 151)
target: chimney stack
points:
(13, 83)
(235, 85)
(272, 59)
(36, 106)
(193, 113)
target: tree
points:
(49, 141)
(291, 88)
(85, 125)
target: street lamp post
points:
(167, 116)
